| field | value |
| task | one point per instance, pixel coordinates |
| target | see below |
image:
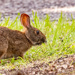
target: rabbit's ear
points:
(25, 20)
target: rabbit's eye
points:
(37, 32)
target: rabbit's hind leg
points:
(3, 46)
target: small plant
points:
(13, 60)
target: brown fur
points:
(16, 43)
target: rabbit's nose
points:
(43, 40)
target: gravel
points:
(42, 7)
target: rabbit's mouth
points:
(40, 43)
(37, 44)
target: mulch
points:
(61, 66)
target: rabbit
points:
(14, 43)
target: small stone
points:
(65, 66)
(33, 72)
(59, 69)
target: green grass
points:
(60, 37)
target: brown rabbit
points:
(16, 43)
